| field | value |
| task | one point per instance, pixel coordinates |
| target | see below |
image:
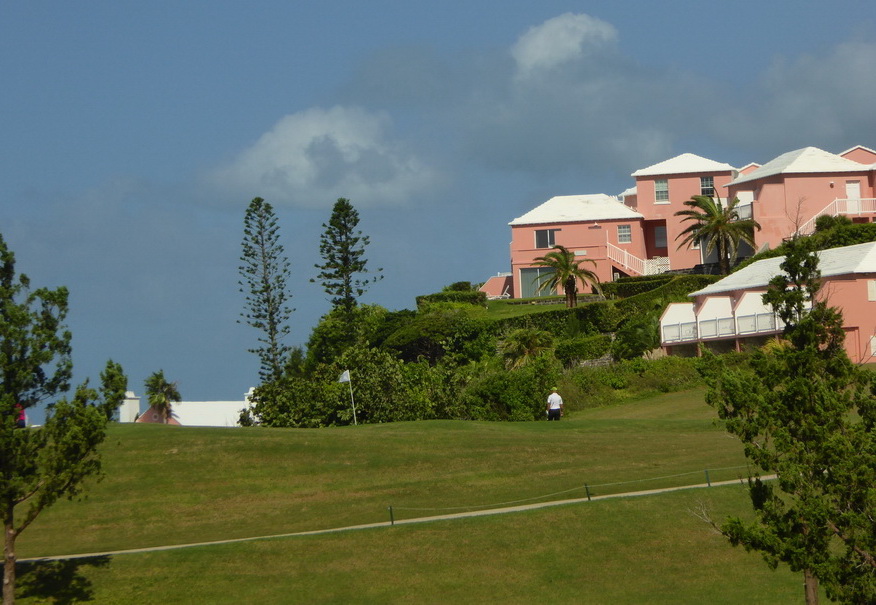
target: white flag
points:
(345, 377)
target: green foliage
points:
(339, 330)
(523, 344)
(806, 413)
(630, 286)
(432, 335)
(38, 466)
(637, 336)
(572, 351)
(516, 395)
(564, 272)
(469, 297)
(342, 248)
(460, 286)
(264, 273)
(161, 394)
(717, 227)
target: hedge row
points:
(470, 297)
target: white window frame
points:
(707, 184)
(661, 191)
(551, 238)
(624, 234)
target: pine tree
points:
(264, 274)
(343, 252)
(807, 414)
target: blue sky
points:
(134, 134)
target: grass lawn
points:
(168, 485)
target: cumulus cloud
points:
(562, 40)
(312, 157)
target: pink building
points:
(730, 314)
(637, 232)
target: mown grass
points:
(169, 485)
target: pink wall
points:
(783, 203)
(682, 187)
(850, 294)
(589, 238)
(861, 154)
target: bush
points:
(470, 297)
(572, 351)
(515, 395)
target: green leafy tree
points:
(342, 248)
(38, 466)
(161, 395)
(807, 414)
(716, 226)
(264, 275)
(566, 273)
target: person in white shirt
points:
(554, 405)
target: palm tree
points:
(567, 272)
(715, 225)
(523, 344)
(161, 394)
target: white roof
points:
(684, 164)
(803, 161)
(577, 208)
(860, 258)
(628, 192)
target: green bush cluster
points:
(469, 297)
(630, 286)
(572, 351)
(452, 360)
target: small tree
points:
(566, 273)
(161, 395)
(716, 225)
(804, 412)
(342, 248)
(264, 274)
(38, 466)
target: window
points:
(661, 190)
(707, 186)
(624, 234)
(660, 236)
(871, 290)
(530, 280)
(545, 238)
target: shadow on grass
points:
(57, 581)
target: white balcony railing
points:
(721, 327)
(640, 266)
(840, 206)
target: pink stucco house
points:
(636, 232)
(730, 315)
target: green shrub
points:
(470, 297)
(574, 350)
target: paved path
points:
(480, 513)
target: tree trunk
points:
(9, 536)
(810, 585)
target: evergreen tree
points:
(40, 465)
(264, 274)
(342, 248)
(805, 413)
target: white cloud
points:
(561, 40)
(313, 157)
